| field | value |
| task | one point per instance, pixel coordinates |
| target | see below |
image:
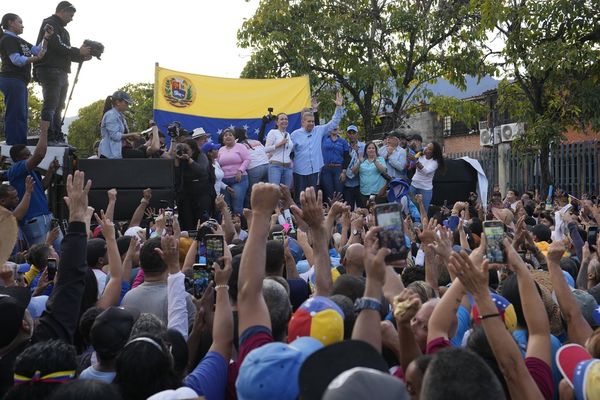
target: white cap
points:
(198, 132)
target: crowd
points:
(301, 300)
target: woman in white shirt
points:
(422, 182)
(258, 169)
(279, 146)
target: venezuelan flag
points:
(199, 101)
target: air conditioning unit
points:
(485, 137)
(510, 132)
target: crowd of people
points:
(302, 300)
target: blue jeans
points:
(301, 182)
(279, 174)
(36, 229)
(236, 201)
(330, 181)
(15, 115)
(427, 195)
(257, 174)
(55, 84)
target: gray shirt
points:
(151, 297)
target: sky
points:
(191, 36)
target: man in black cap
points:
(52, 71)
(415, 150)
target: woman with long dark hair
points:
(370, 170)
(427, 164)
(17, 55)
(259, 161)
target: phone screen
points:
(494, 234)
(215, 248)
(391, 236)
(592, 237)
(202, 275)
(52, 267)
(279, 236)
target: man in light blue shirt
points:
(308, 156)
(395, 155)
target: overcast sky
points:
(192, 36)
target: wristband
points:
(227, 287)
(486, 316)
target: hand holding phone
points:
(215, 248)
(494, 235)
(391, 236)
(202, 275)
(52, 267)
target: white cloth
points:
(181, 393)
(177, 305)
(423, 178)
(482, 181)
(280, 154)
(101, 279)
(219, 174)
(258, 154)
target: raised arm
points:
(252, 309)
(226, 222)
(138, 214)
(475, 279)
(110, 207)
(223, 320)
(312, 214)
(367, 325)
(577, 327)
(40, 148)
(337, 115)
(21, 210)
(62, 309)
(112, 291)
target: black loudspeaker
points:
(130, 177)
(455, 184)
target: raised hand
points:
(556, 251)
(147, 194)
(374, 258)
(77, 196)
(337, 197)
(29, 184)
(112, 195)
(442, 242)
(314, 104)
(220, 202)
(427, 235)
(406, 305)
(264, 198)
(169, 252)
(474, 278)
(312, 210)
(339, 99)
(108, 227)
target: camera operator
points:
(115, 133)
(52, 70)
(194, 186)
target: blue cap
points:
(351, 128)
(210, 146)
(272, 371)
(22, 268)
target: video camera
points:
(96, 48)
(175, 130)
(269, 117)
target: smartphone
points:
(202, 275)
(54, 223)
(215, 248)
(494, 235)
(278, 236)
(51, 266)
(64, 226)
(391, 236)
(169, 221)
(592, 237)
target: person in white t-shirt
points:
(279, 146)
(258, 169)
(427, 164)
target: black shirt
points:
(10, 44)
(60, 54)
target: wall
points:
(427, 125)
(460, 144)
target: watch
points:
(367, 303)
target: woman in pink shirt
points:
(234, 158)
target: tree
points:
(551, 69)
(377, 51)
(85, 130)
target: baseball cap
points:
(13, 303)
(326, 364)
(65, 5)
(580, 369)
(505, 308)
(271, 371)
(365, 384)
(320, 318)
(121, 95)
(111, 329)
(210, 146)
(198, 132)
(352, 128)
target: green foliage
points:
(374, 50)
(550, 64)
(469, 112)
(85, 130)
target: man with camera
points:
(53, 69)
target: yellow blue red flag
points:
(198, 101)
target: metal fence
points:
(574, 167)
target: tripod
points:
(71, 94)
